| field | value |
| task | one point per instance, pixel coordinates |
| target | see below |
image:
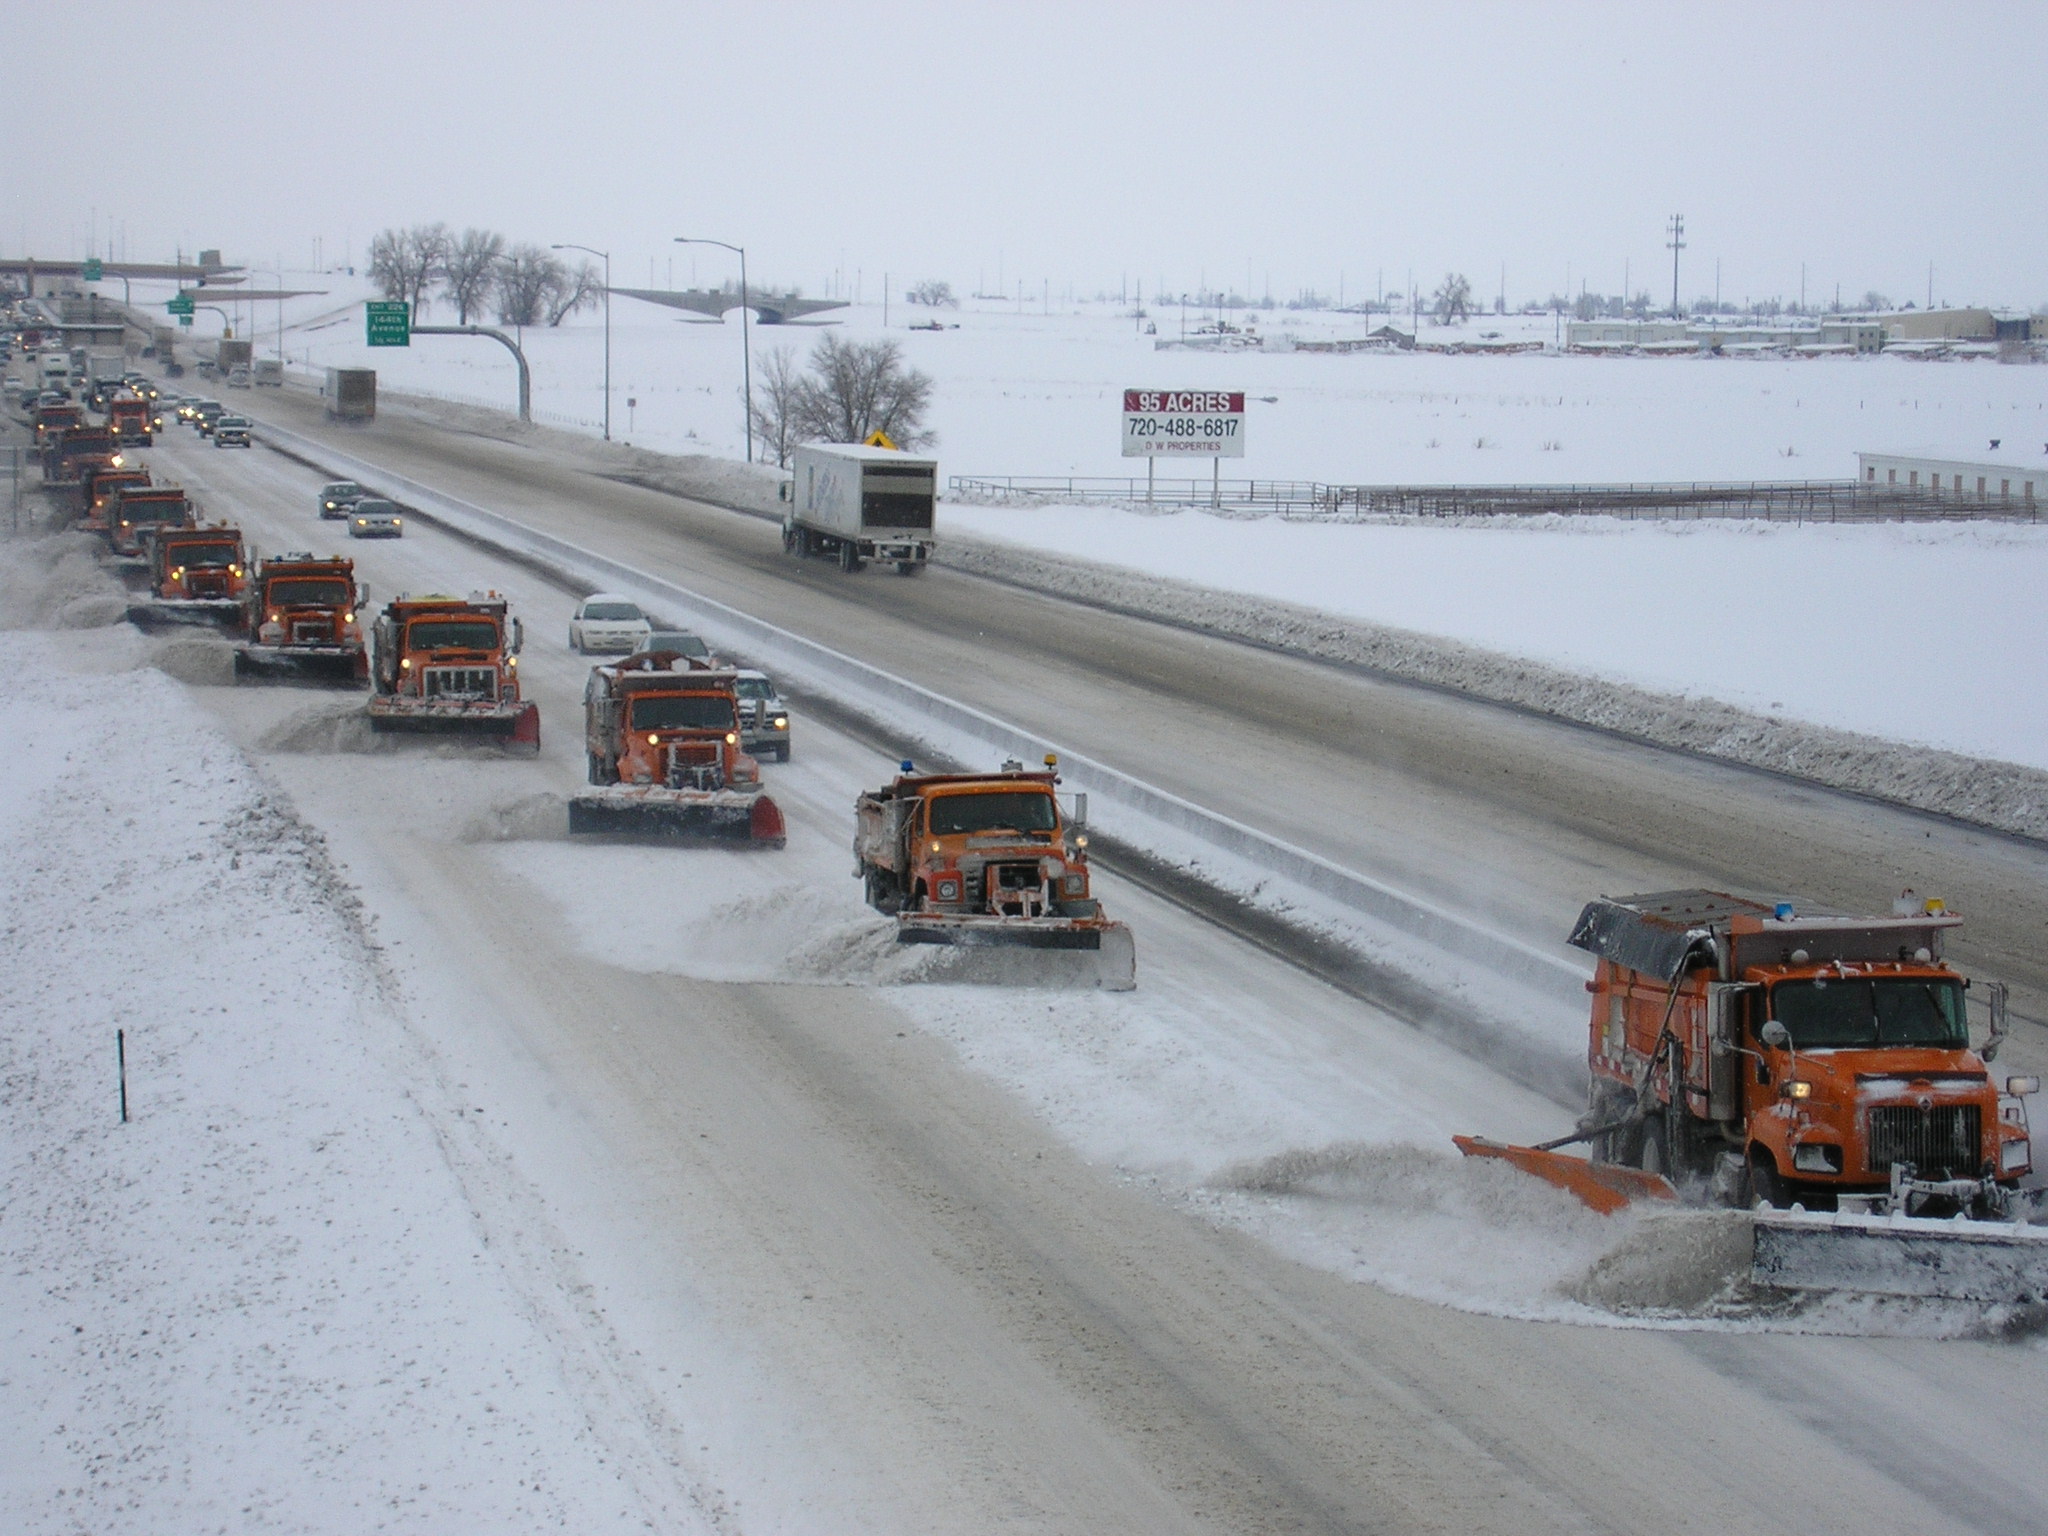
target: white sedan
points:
(605, 621)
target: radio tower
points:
(1675, 244)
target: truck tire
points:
(909, 567)
(849, 556)
(1765, 1182)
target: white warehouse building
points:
(1999, 475)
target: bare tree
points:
(471, 270)
(575, 290)
(857, 388)
(1874, 302)
(1453, 300)
(526, 275)
(405, 263)
(933, 294)
(779, 402)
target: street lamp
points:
(606, 256)
(746, 346)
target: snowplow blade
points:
(164, 612)
(1115, 950)
(1980, 1261)
(1606, 1187)
(654, 814)
(281, 664)
(518, 726)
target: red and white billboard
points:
(1175, 423)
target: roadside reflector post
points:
(121, 1069)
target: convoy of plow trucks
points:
(1814, 1067)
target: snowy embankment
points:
(1900, 661)
(266, 1300)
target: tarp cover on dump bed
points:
(1653, 934)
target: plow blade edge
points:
(1981, 1261)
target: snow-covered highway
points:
(817, 1252)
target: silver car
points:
(374, 518)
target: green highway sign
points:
(388, 322)
(181, 305)
(92, 271)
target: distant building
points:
(1836, 333)
(1999, 474)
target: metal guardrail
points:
(1796, 501)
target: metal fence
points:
(1798, 501)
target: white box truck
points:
(855, 504)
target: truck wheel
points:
(1765, 1182)
(849, 556)
(909, 567)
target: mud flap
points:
(1606, 1187)
(1980, 1261)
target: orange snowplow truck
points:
(129, 419)
(299, 621)
(196, 575)
(986, 859)
(1796, 1054)
(138, 509)
(98, 490)
(662, 733)
(451, 664)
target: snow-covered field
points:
(1020, 392)
(1922, 633)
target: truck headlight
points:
(1074, 885)
(1795, 1090)
(782, 722)
(949, 890)
(1816, 1157)
(2015, 1155)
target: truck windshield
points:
(135, 511)
(994, 811)
(451, 635)
(684, 712)
(203, 554)
(754, 688)
(308, 592)
(1871, 1011)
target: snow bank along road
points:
(880, 1228)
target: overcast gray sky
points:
(1070, 142)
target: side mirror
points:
(785, 491)
(518, 636)
(1775, 1035)
(362, 594)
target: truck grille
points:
(695, 765)
(459, 683)
(316, 631)
(207, 584)
(1945, 1139)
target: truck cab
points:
(138, 509)
(299, 616)
(129, 419)
(198, 564)
(99, 489)
(662, 718)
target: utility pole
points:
(1676, 244)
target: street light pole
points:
(606, 257)
(746, 344)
